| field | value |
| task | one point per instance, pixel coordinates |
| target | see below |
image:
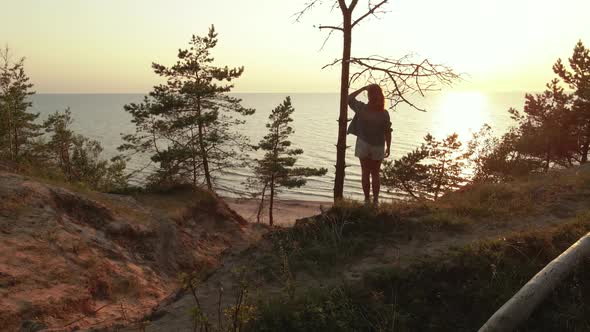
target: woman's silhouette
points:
(372, 127)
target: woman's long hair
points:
(376, 98)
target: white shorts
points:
(364, 150)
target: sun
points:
(460, 112)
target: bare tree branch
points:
(326, 39)
(334, 5)
(400, 78)
(333, 63)
(307, 8)
(370, 12)
(330, 27)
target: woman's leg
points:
(375, 179)
(365, 177)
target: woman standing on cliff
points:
(372, 127)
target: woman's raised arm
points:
(353, 95)
(352, 102)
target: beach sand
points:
(285, 213)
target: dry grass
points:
(454, 291)
(536, 195)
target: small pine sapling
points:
(276, 169)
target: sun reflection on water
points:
(460, 112)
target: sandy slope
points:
(80, 259)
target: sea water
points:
(102, 117)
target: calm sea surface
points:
(101, 117)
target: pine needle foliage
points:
(187, 125)
(78, 157)
(277, 169)
(17, 125)
(430, 171)
(577, 77)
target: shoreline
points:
(285, 212)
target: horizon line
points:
(271, 92)
(144, 93)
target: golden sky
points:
(107, 46)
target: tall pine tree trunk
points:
(271, 200)
(10, 132)
(261, 206)
(585, 148)
(194, 157)
(441, 178)
(202, 146)
(16, 150)
(343, 119)
(275, 152)
(64, 155)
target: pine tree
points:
(17, 125)
(61, 140)
(78, 158)
(498, 159)
(407, 174)
(430, 171)
(276, 169)
(552, 131)
(187, 124)
(578, 79)
(547, 128)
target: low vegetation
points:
(50, 149)
(458, 291)
(350, 230)
(458, 288)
